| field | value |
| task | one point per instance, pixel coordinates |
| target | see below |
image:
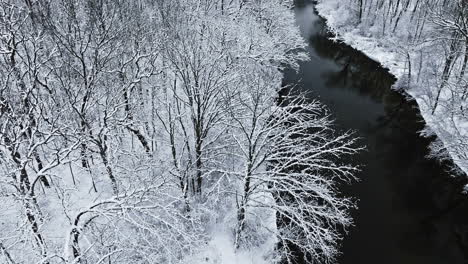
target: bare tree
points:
(290, 157)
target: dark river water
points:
(410, 210)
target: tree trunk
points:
(463, 70)
(198, 162)
(360, 10)
(105, 161)
(241, 210)
(133, 130)
(446, 71)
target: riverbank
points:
(451, 130)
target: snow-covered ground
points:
(393, 53)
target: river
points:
(410, 210)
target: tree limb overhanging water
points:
(410, 208)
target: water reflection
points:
(410, 209)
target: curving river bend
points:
(410, 210)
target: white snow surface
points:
(452, 132)
(220, 250)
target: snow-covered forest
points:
(424, 43)
(153, 131)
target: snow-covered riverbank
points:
(414, 67)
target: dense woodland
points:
(137, 131)
(425, 44)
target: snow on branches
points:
(133, 131)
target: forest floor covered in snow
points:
(417, 68)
